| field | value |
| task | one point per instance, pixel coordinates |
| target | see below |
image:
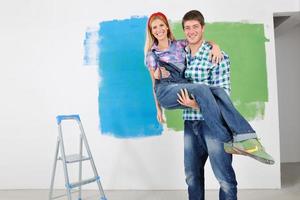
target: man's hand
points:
(215, 55)
(161, 72)
(185, 100)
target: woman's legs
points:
(216, 107)
(167, 97)
(214, 104)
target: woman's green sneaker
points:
(228, 147)
(252, 148)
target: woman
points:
(162, 40)
(161, 49)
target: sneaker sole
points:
(265, 161)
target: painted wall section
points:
(126, 104)
(245, 44)
(91, 49)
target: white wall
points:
(281, 6)
(288, 70)
(42, 75)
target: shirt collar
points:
(204, 46)
(155, 46)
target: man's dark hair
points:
(193, 15)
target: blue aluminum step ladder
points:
(74, 158)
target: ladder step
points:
(84, 182)
(75, 158)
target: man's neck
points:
(195, 47)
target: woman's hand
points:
(185, 100)
(156, 74)
(159, 116)
(161, 71)
(215, 55)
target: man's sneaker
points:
(252, 148)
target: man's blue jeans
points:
(200, 141)
(215, 105)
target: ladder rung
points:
(84, 182)
(75, 158)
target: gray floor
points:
(290, 191)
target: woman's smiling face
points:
(159, 29)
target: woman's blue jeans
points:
(215, 105)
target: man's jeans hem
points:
(241, 137)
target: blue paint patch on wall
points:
(91, 49)
(126, 103)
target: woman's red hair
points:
(159, 15)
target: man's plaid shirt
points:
(201, 70)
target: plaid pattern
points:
(201, 70)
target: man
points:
(199, 140)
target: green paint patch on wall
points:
(245, 45)
(174, 119)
